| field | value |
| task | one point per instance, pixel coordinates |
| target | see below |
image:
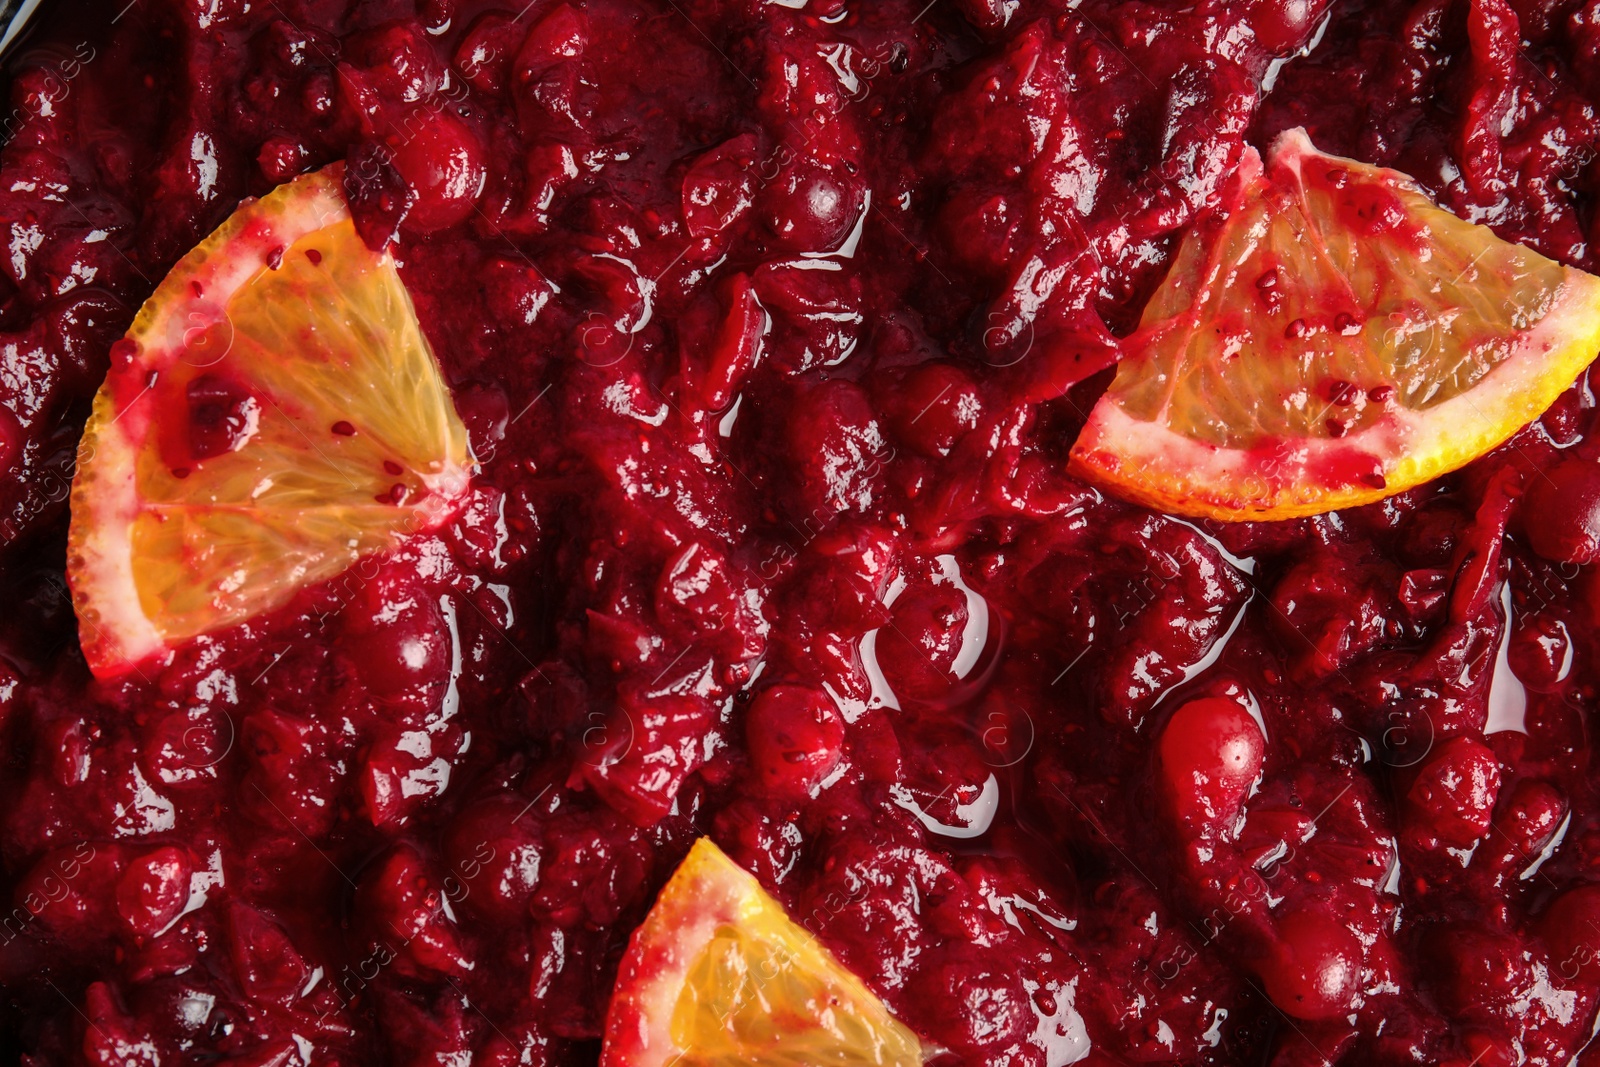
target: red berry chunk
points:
(1454, 794)
(1210, 752)
(1314, 969)
(794, 734)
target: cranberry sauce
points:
(772, 322)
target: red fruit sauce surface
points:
(772, 322)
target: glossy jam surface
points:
(772, 324)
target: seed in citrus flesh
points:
(1327, 338)
(273, 414)
(718, 974)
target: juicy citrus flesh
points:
(273, 414)
(719, 975)
(1331, 338)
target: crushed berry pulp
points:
(772, 324)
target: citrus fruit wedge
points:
(1329, 337)
(718, 974)
(273, 414)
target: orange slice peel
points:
(1331, 337)
(719, 974)
(273, 414)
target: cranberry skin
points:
(996, 1011)
(402, 899)
(547, 75)
(639, 755)
(794, 734)
(281, 158)
(1560, 512)
(486, 50)
(839, 451)
(595, 868)
(987, 15)
(934, 407)
(153, 891)
(1529, 818)
(113, 1039)
(1329, 609)
(514, 291)
(918, 650)
(70, 892)
(486, 413)
(717, 187)
(1210, 752)
(1314, 970)
(981, 229)
(1477, 971)
(441, 163)
(400, 62)
(1453, 797)
(1282, 26)
(809, 208)
(395, 638)
(1540, 652)
(268, 965)
(495, 853)
(1570, 928)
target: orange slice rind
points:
(273, 414)
(1331, 338)
(719, 974)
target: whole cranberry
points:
(394, 637)
(809, 208)
(1560, 512)
(794, 734)
(1571, 928)
(1313, 971)
(441, 163)
(1453, 797)
(1210, 752)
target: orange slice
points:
(273, 414)
(1328, 338)
(719, 975)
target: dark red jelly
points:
(772, 323)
